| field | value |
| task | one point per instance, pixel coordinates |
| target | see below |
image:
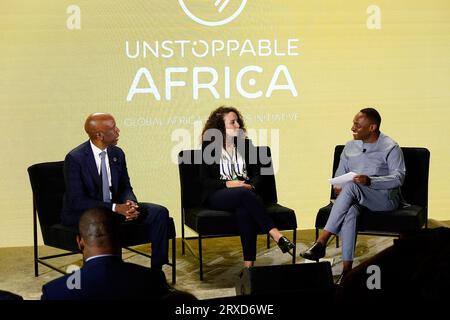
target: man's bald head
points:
(101, 129)
(98, 228)
(94, 122)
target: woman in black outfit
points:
(231, 179)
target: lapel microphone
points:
(364, 150)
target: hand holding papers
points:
(342, 179)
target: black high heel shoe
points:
(285, 245)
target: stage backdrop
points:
(297, 70)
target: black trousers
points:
(251, 215)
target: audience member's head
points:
(415, 268)
(6, 295)
(98, 233)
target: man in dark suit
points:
(96, 175)
(105, 275)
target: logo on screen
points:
(213, 12)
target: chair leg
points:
(182, 246)
(174, 261)
(35, 245)
(200, 258)
(36, 265)
(268, 241)
(294, 240)
(182, 232)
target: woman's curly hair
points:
(215, 121)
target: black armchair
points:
(406, 218)
(209, 223)
(47, 183)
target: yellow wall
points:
(52, 77)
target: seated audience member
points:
(232, 182)
(415, 268)
(105, 275)
(6, 295)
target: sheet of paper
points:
(342, 179)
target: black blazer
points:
(83, 183)
(210, 172)
(109, 278)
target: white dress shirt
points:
(232, 165)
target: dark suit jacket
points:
(210, 172)
(83, 183)
(109, 278)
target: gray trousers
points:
(342, 220)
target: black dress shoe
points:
(315, 252)
(285, 245)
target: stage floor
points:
(222, 263)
